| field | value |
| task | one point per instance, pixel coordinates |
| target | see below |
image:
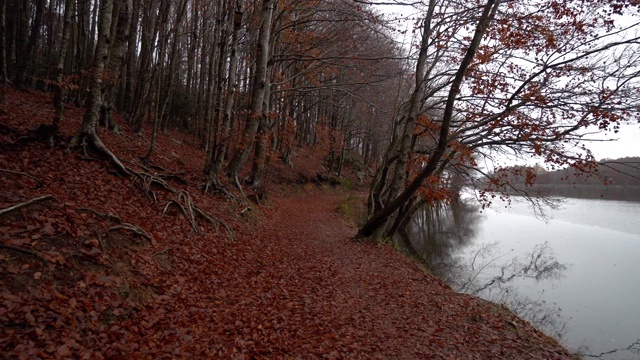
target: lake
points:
(576, 276)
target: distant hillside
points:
(615, 179)
(619, 172)
(618, 179)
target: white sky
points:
(627, 143)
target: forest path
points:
(293, 284)
(309, 290)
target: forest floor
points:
(104, 266)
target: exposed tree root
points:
(120, 226)
(216, 223)
(6, 171)
(136, 229)
(214, 185)
(99, 237)
(111, 217)
(25, 251)
(237, 181)
(147, 180)
(182, 200)
(26, 203)
(95, 141)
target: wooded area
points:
(472, 83)
(247, 77)
(201, 105)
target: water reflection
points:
(599, 295)
(436, 233)
(442, 237)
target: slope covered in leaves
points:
(102, 268)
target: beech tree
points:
(492, 77)
(260, 90)
(3, 50)
(87, 134)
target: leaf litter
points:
(292, 284)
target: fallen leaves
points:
(291, 286)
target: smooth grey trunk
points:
(232, 86)
(260, 155)
(259, 90)
(117, 55)
(58, 92)
(94, 99)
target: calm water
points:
(587, 258)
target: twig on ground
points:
(161, 252)
(26, 203)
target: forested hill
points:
(618, 172)
(614, 179)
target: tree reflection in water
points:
(442, 235)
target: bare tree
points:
(260, 89)
(87, 134)
(533, 86)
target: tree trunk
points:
(4, 82)
(142, 83)
(58, 91)
(173, 64)
(87, 131)
(126, 100)
(117, 55)
(260, 155)
(259, 89)
(232, 86)
(21, 38)
(158, 73)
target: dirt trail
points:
(310, 290)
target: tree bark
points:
(117, 55)
(260, 155)
(4, 82)
(87, 130)
(259, 89)
(232, 86)
(34, 35)
(58, 90)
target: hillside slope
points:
(103, 266)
